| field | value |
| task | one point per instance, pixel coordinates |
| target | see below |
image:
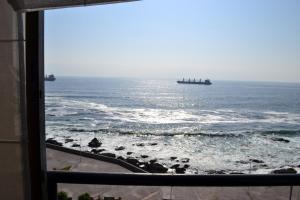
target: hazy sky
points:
(219, 39)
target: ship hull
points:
(195, 83)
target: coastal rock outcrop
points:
(215, 172)
(97, 151)
(132, 161)
(67, 140)
(54, 142)
(173, 157)
(256, 161)
(180, 170)
(280, 140)
(75, 145)
(155, 168)
(94, 143)
(185, 160)
(120, 148)
(284, 171)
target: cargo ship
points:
(200, 82)
(51, 77)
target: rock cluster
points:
(54, 142)
(94, 143)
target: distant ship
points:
(200, 82)
(51, 77)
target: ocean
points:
(230, 126)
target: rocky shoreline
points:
(179, 166)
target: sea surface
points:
(248, 127)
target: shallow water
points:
(219, 127)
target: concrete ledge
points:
(98, 157)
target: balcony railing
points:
(169, 180)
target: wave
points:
(154, 133)
(281, 132)
(85, 97)
(171, 116)
(176, 133)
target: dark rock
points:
(256, 161)
(180, 170)
(140, 144)
(175, 166)
(185, 160)
(97, 151)
(75, 145)
(153, 144)
(68, 140)
(120, 158)
(153, 161)
(120, 148)
(263, 165)
(129, 153)
(155, 168)
(284, 171)
(280, 140)
(215, 172)
(236, 173)
(186, 166)
(144, 156)
(94, 143)
(133, 161)
(111, 155)
(173, 158)
(54, 142)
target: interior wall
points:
(12, 164)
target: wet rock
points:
(120, 148)
(215, 172)
(153, 144)
(180, 170)
(263, 165)
(155, 168)
(173, 158)
(144, 156)
(97, 151)
(68, 140)
(242, 162)
(120, 158)
(186, 166)
(75, 145)
(256, 161)
(140, 144)
(280, 140)
(111, 155)
(54, 142)
(185, 160)
(129, 153)
(94, 143)
(153, 161)
(284, 171)
(236, 173)
(133, 161)
(175, 166)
